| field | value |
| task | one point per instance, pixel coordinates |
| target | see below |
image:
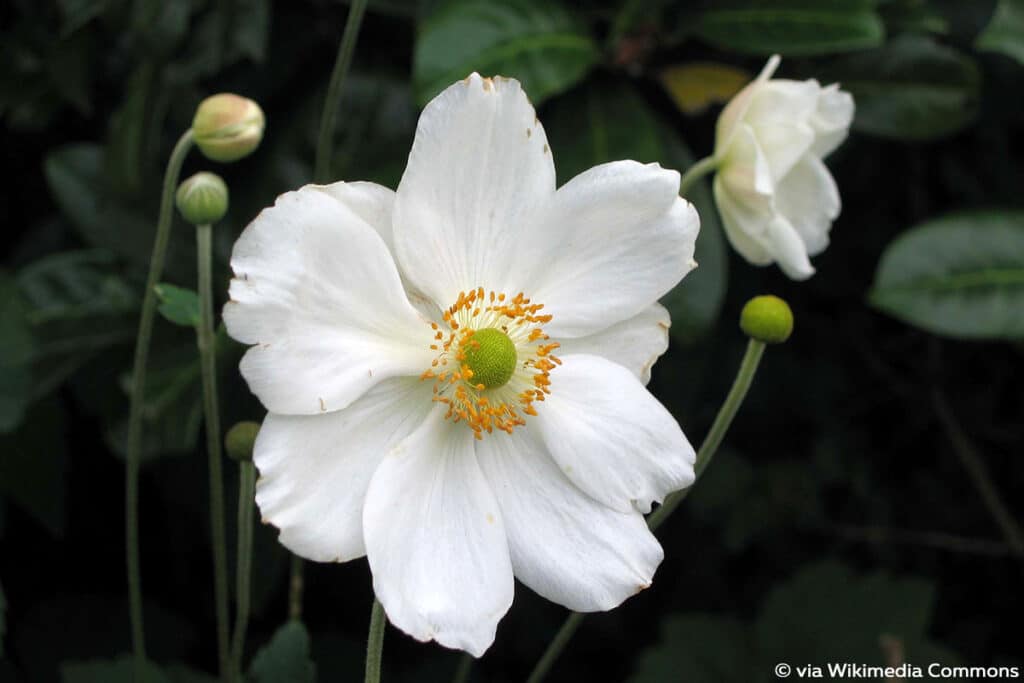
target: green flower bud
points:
(227, 127)
(767, 318)
(202, 199)
(240, 440)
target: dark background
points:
(837, 523)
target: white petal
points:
(315, 469)
(788, 249)
(831, 119)
(745, 224)
(809, 199)
(634, 344)
(371, 202)
(565, 545)
(735, 111)
(479, 166)
(319, 296)
(622, 237)
(435, 540)
(611, 437)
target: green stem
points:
(733, 401)
(375, 642)
(562, 638)
(137, 397)
(696, 172)
(295, 590)
(208, 362)
(246, 494)
(325, 138)
(465, 666)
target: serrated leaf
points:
(1005, 31)
(599, 123)
(960, 276)
(178, 305)
(697, 85)
(911, 89)
(538, 43)
(791, 27)
(285, 657)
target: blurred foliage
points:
(833, 467)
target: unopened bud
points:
(767, 318)
(202, 199)
(227, 127)
(240, 440)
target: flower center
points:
(493, 360)
(491, 357)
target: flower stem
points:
(325, 138)
(375, 642)
(696, 172)
(246, 492)
(208, 363)
(562, 638)
(733, 401)
(465, 666)
(137, 398)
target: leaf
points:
(75, 176)
(285, 657)
(178, 305)
(913, 15)
(1005, 31)
(791, 27)
(120, 670)
(539, 43)
(16, 348)
(33, 464)
(911, 89)
(697, 648)
(697, 85)
(960, 276)
(599, 123)
(827, 613)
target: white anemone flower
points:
(776, 197)
(454, 372)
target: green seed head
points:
(767, 318)
(491, 355)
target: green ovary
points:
(491, 355)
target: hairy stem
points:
(375, 642)
(137, 398)
(246, 492)
(696, 172)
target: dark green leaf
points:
(33, 464)
(698, 648)
(960, 275)
(827, 613)
(915, 16)
(791, 27)
(539, 43)
(1005, 31)
(602, 123)
(178, 305)
(75, 176)
(120, 670)
(77, 13)
(911, 89)
(285, 657)
(128, 127)
(16, 349)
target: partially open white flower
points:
(455, 371)
(776, 197)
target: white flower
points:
(405, 346)
(776, 197)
